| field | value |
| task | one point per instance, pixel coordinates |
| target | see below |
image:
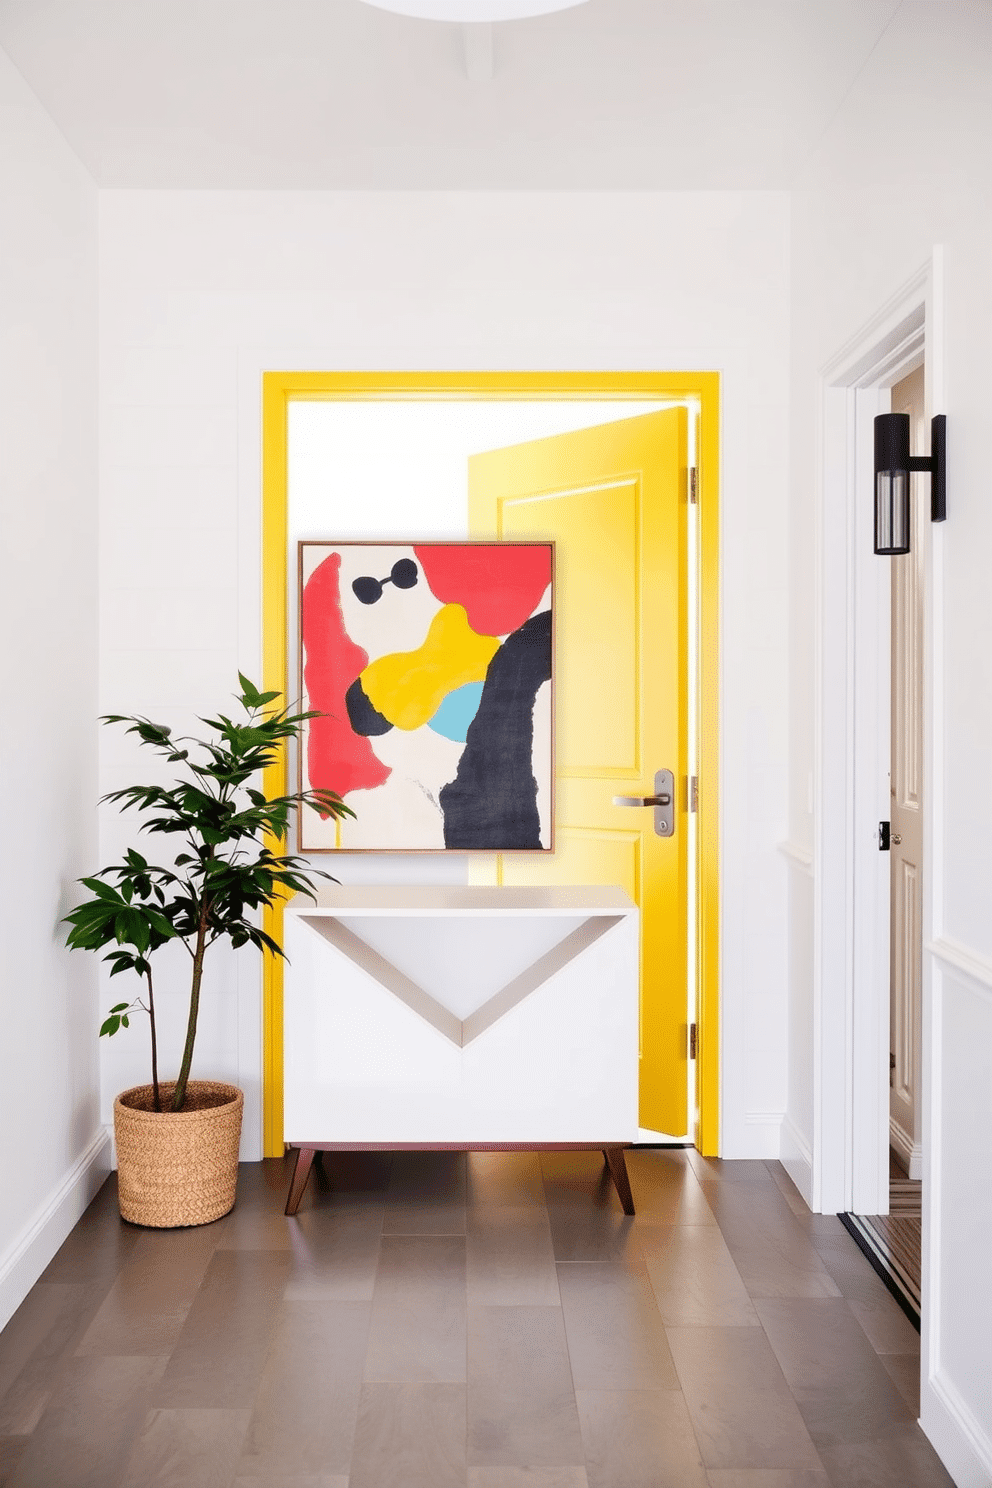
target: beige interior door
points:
(906, 866)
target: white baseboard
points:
(796, 1158)
(958, 1439)
(910, 1152)
(31, 1251)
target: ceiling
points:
(340, 94)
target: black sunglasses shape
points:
(403, 574)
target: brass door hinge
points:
(693, 792)
(692, 1041)
(693, 489)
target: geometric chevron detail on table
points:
(461, 1031)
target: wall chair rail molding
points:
(954, 956)
(797, 856)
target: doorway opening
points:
(855, 742)
(893, 1240)
(906, 793)
(587, 399)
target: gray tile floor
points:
(490, 1321)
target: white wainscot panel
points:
(957, 1398)
(516, 1024)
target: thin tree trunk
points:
(179, 1094)
(151, 1024)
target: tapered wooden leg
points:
(617, 1164)
(320, 1173)
(301, 1173)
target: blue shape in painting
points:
(457, 711)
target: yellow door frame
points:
(279, 389)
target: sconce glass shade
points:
(892, 467)
(892, 512)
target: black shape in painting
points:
(403, 574)
(492, 802)
(363, 717)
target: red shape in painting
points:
(337, 758)
(499, 585)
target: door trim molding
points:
(278, 390)
(851, 892)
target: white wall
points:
(897, 175)
(53, 1149)
(202, 291)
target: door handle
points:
(663, 802)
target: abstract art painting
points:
(430, 667)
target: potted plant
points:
(177, 1141)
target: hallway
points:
(491, 1322)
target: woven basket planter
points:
(178, 1167)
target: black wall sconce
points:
(893, 464)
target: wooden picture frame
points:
(430, 665)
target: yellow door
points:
(613, 500)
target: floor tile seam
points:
(364, 1376)
(716, 1328)
(657, 1304)
(737, 1273)
(880, 1352)
(425, 1234)
(645, 1222)
(696, 1327)
(781, 1375)
(51, 1372)
(673, 1391)
(515, 1306)
(139, 1426)
(778, 1361)
(571, 1379)
(406, 1381)
(629, 1390)
(481, 1206)
(243, 1405)
(800, 1390)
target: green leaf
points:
(249, 692)
(109, 1027)
(101, 889)
(231, 835)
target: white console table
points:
(461, 1019)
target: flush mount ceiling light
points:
(893, 464)
(466, 11)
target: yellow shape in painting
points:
(408, 687)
